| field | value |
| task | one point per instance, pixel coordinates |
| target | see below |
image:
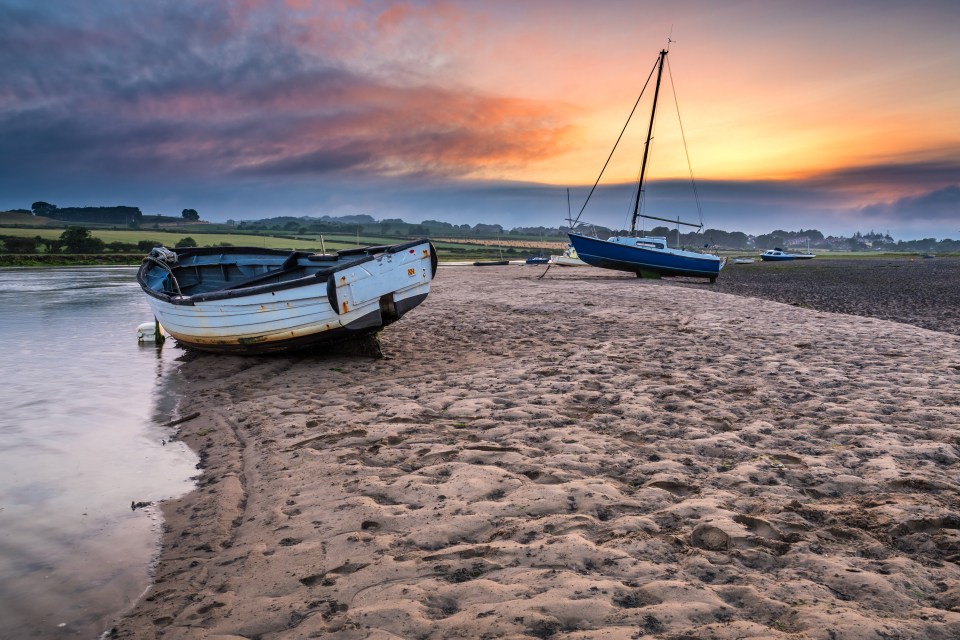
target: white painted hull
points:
(564, 261)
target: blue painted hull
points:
(665, 262)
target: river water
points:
(82, 408)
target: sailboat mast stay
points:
(646, 147)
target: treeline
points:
(73, 240)
(368, 225)
(365, 224)
(120, 215)
(80, 240)
(713, 238)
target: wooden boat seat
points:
(269, 275)
(290, 265)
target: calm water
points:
(81, 409)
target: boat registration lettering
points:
(411, 272)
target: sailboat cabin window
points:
(649, 243)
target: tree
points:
(80, 240)
(42, 208)
(856, 244)
(186, 243)
(121, 247)
(19, 245)
(770, 240)
(190, 214)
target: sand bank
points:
(584, 456)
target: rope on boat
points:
(632, 111)
(696, 194)
(162, 256)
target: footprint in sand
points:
(322, 441)
(678, 489)
(543, 478)
(758, 527)
(437, 608)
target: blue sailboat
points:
(647, 256)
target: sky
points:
(837, 116)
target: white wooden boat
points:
(255, 300)
(568, 259)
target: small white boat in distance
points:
(779, 255)
(743, 261)
(568, 259)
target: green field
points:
(448, 251)
(170, 238)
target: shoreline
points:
(516, 467)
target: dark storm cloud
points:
(209, 89)
(942, 205)
(914, 174)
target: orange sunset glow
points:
(813, 113)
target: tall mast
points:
(646, 148)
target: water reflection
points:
(80, 439)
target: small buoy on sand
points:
(150, 332)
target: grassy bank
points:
(69, 259)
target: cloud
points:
(906, 174)
(231, 91)
(941, 206)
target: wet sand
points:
(917, 291)
(584, 456)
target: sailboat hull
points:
(639, 259)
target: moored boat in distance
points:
(569, 258)
(779, 255)
(257, 300)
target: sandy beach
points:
(589, 455)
